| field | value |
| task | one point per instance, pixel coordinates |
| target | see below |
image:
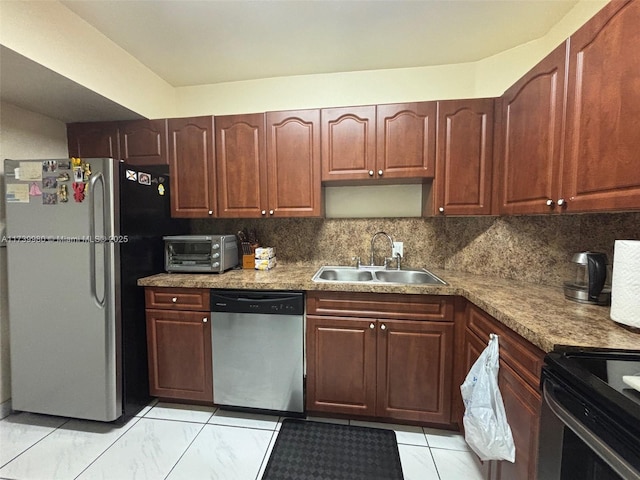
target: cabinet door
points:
(341, 365)
(530, 138)
(406, 140)
(144, 142)
(91, 140)
(415, 361)
(601, 167)
(293, 163)
(179, 349)
(241, 166)
(348, 143)
(464, 159)
(522, 407)
(192, 167)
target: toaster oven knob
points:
(215, 255)
(215, 246)
(215, 264)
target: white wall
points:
(23, 135)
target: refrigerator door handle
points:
(92, 236)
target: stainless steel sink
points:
(376, 275)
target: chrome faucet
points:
(386, 259)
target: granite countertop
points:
(539, 313)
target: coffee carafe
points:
(589, 281)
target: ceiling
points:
(188, 42)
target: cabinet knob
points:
(441, 209)
(204, 320)
(383, 327)
(372, 326)
(174, 299)
(562, 202)
(550, 203)
(380, 172)
(210, 212)
(263, 212)
(271, 212)
(371, 173)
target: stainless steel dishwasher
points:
(258, 339)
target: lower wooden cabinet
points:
(179, 346)
(518, 379)
(375, 366)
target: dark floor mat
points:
(307, 450)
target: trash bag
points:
(485, 423)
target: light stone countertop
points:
(539, 313)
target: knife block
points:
(248, 261)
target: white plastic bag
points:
(485, 423)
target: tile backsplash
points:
(529, 248)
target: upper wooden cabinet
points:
(144, 142)
(293, 163)
(375, 142)
(192, 167)
(529, 141)
(241, 165)
(464, 157)
(93, 140)
(601, 169)
(269, 165)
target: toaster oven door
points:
(192, 255)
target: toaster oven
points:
(200, 253)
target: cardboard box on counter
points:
(265, 264)
(265, 253)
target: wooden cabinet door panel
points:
(464, 158)
(144, 142)
(341, 365)
(293, 163)
(191, 163)
(522, 407)
(241, 165)
(531, 137)
(348, 143)
(87, 140)
(179, 349)
(601, 166)
(406, 138)
(415, 370)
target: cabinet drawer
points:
(521, 355)
(386, 305)
(196, 299)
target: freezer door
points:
(63, 299)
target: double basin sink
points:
(376, 275)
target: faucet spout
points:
(371, 259)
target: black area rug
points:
(307, 450)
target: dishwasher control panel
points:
(258, 302)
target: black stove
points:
(599, 412)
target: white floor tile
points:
(180, 412)
(405, 434)
(146, 409)
(66, 452)
(455, 465)
(223, 453)
(147, 451)
(446, 439)
(267, 455)
(417, 463)
(244, 419)
(21, 430)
